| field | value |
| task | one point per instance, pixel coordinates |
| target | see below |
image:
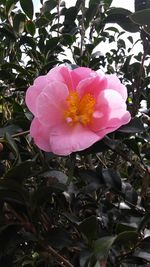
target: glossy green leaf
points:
(10, 4)
(48, 6)
(10, 190)
(20, 171)
(10, 129)
(13, 146)
(107, 3)
(141, 4)
(145, 220)
(102, 247)
(123, 227)
(16, 67)
(58, 176)
(19, 22)
(112, 179)
(134, 126)
(27, 7)
(89, 228)
(133, 145)
(7, 32)
(127, 239)
(121, 17)
(59, 238)
(30, 27)
(141, 17)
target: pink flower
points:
(73, 109)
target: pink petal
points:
(112, 104)
(34, 91)
(40, 134)
(51, 104)
(117, 108)
(110, 111)
(114, 83)
(65, 139)
(125, 119)
(80, 74)
(61, 74)
(93, 85)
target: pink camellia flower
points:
(73, 109)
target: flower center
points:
(79, 110)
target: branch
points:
(59, 258)
(16, 135)
(82, 26)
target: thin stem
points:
(16, 135)
(82, 27)
(59, 258)
(138, 84)
(58, 13)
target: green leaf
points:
(112, 179)
(20, 171)
(123, 227)
(29, 41)
(94, 2)
(127, 239)
(48, 6)
(10, 190)
(141, 4)
(11, 143)
(2, 2)
(57, 175)
(30, 27)
(59, 238)
(134, 126)
(10, 129)
(71, 13)
(27, 7)
(145, 220)
(89, 227)
(17, 67)
(107, 3)
(90, 13)
(7, 32)
(141, 17)
(19, 22)
(102, 247)
(41, 22)
(43, 194)
(10, 4)
(121, 17)
(133, 145)
(147, 29)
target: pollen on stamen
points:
(80, 110)
(69, 120)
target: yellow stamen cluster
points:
(80, 110)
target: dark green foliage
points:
(90, 209)
(141, 4)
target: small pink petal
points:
(118, 123)
(40, 134)
(114, 83)
(51, 104)
(34, 91)
(113, 107)
(61, 74)
(65, 139)
(93, 85)
(117, 105)
(80, 74)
